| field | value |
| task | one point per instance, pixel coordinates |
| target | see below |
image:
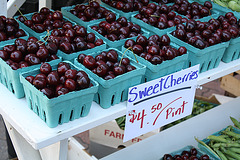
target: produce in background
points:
(226, 145)
(191, 154)
(231, 4)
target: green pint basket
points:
(233, 51)
(115, 90)
(166, 67)
(118, 43)
(10, 78)
(208, 58)
(61, 109)
(121, 13)
(34, 33)
(66, 12)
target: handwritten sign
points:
(159, 102)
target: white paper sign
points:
(159, 102)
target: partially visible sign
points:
(159, 102)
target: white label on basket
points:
(159, 102)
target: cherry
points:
(53, 78)
(89, 62)
(45, 68)
(16, 56)
(30, 79)
(119, 70)
(48, 92)
(71, 74)
(4, 55)
(62, 91)
(112, 55)
(83, 82)
(70, 84)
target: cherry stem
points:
(211, 14)
(155, 16)
(20, 12)
(43, 39)
(129, 48)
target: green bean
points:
(209, 148)
(231, 133)
(217, 138)
(226, 145)
(230, 153)
(237, 150)
(235, 122)
(220, 154)
(229, 158)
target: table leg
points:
(23, 149)
(57, 151)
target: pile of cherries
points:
(9, 29)
(119, 29)
(159, 16)
(26, 53)
(106, 64)
(44, 20)
(70, 39)
(92, 11)
(191, 155)
(54, 83)
(154, 49)
(126, 5)
(205, 34)
(163, 1)
(192, 10)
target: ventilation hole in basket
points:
(11, 87)
(44, 116)
(37, 110)
(216, 62)
(6, 82)
(98, 96)
(145, 80)
(122, 95)
(189, 64)
(209, 65)
(60, 119)
(202, 67)
(30, 103)
(71, 116)
(112, 100)
(234, 54)
(82, 111)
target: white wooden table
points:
(33, 139)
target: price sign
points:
(159, 102)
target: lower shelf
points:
(181, 135)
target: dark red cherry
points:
(83, 82)
(89, 62)
(70, 84)
(53, 78)
(45, 68)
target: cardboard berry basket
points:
(152, 29)
(188, 148)
(61, 109)
(118, 43)
(3, 43)
(166, 67)
(72, 56)
(208, 58)
(114, 91)
(32, 32)
(121, 13)
(207, 141)
(66, 12)
(10, 78)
